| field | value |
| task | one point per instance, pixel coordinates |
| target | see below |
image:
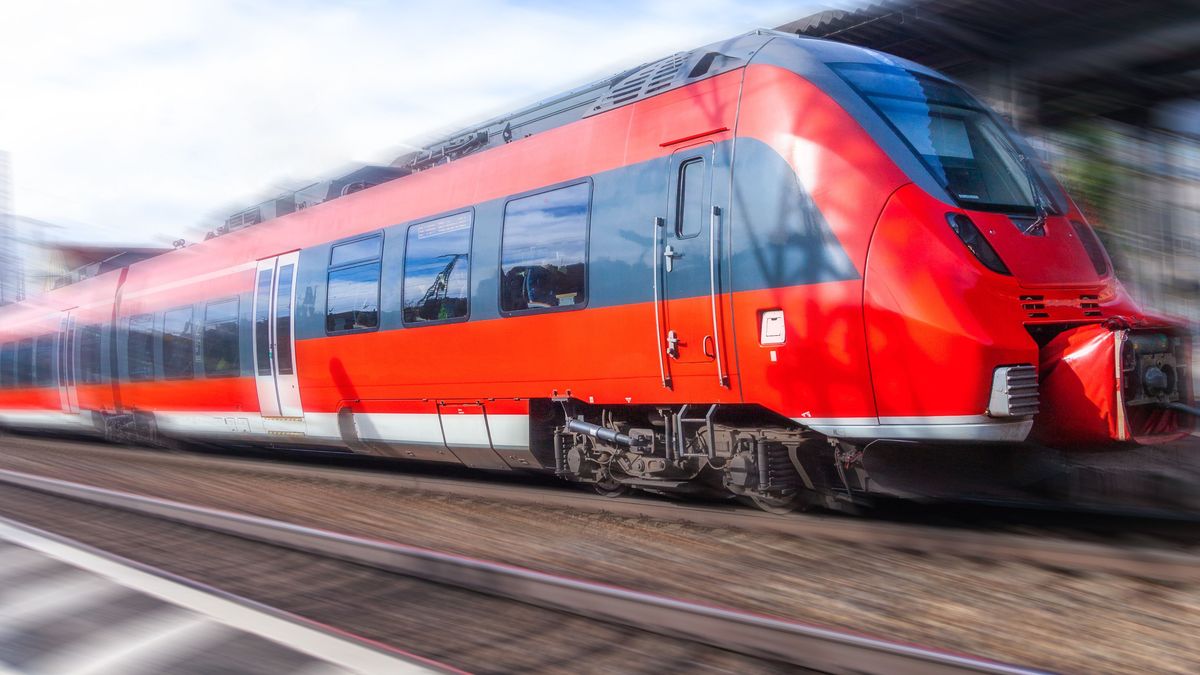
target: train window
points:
(178, 344)
(543, 249)
(140, 347)
(352, 301)
(262, 321)
(221, 337)
(43, 360)
(89, 355)
(25, 363)
(689, 215)
(283, 320)
(436, 270)
(355, 251)
(8, 362)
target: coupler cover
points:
(1114, 383)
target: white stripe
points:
(54, 597)
(46, 419)
(17, 559)
(507, 431)
(161, 637)
(302, 638)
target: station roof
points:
(1109, 58)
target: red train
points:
(734, 269)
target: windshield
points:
(952, 134)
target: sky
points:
(140, 121)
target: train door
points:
(274, 341)
(68, 362)
(690, 318)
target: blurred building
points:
(1106, 89)
(36, 260)
(12, 287)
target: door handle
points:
(708, 341)
(673, 344)
(671, 254)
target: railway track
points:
(752, 635)
(1173, 558)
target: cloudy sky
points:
(139, 121)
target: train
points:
(740, 270)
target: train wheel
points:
(777, 504)
(610, 488)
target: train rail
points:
(1165, 561)
(755, 635)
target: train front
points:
(991, 308)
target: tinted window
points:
(957, 138)
(25, 363)
(178, 344)
(355, 251)
(436, 265)
(262, 322)
(221, 337)
(8, 362)
(43, 361)
(352, 301)
(140, 347)
(689, 219)
(353, 298)
(543, 248)
(89, 355)
(283, 320)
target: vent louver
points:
(1014, 392)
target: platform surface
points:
(66, 608)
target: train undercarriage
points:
(713, 450)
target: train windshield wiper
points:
(1043, 212)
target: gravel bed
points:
(1054, 619)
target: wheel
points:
(777, 504)
(610, 488)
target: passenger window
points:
(283, 320)
(436, 270)
(221, 339)
(543, 248)
(262, 321)
(8, 362)
(178, 344)
(355, 251)
(43, 358)
(352, 301)
(89, 355)
(25, 363)
(689, 214)
(140, 347)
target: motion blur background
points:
(125, 129)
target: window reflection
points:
(436, 269)
(543, 248)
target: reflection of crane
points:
(441, 283)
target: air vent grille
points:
(1014, 392)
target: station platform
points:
(68, 608)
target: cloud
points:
(135, 120)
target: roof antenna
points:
(507, 134)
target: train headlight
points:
(975, 242)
